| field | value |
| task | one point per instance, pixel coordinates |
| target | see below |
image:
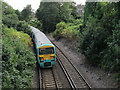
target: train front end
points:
(47, 56)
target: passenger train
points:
(45, 50)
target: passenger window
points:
(33, 36)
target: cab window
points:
(46, 51)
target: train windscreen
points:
(46, 51)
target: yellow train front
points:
(46, 55)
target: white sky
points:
(20, 4)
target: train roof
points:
(40, 37)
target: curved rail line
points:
(47, 83)
(71, 81)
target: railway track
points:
(48, 79)
(75, 78)
(52, 78)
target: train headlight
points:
(52, 57)
(41, 58)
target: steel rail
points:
(39, 76)
(43, 85)
(71, 82)
(89, 86)
(56, 83)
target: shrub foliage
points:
(68, 30)
(100, 38)
(23, 26)
(99, 34)
(18, 60)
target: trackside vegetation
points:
(36, 23)
(18, 60)
(98, 33)
(100, 39)
(68, 30)
(51, 13)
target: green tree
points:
(9, 16)
(10, 20)
(51, 13)
(48, 13)
(7, 9)
(74, 10)
(18, 13)
(65, 11)
(89, 10)
(23, 26)
(27, 13)
(101, 35)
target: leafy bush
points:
(7, 9)
(36, 23)
(68, 30)
(100, 38)
(59, 27)
(112, 54)
(92, 40)
(9, 17)
(10, 20)
(18, 60)
(23, 26)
